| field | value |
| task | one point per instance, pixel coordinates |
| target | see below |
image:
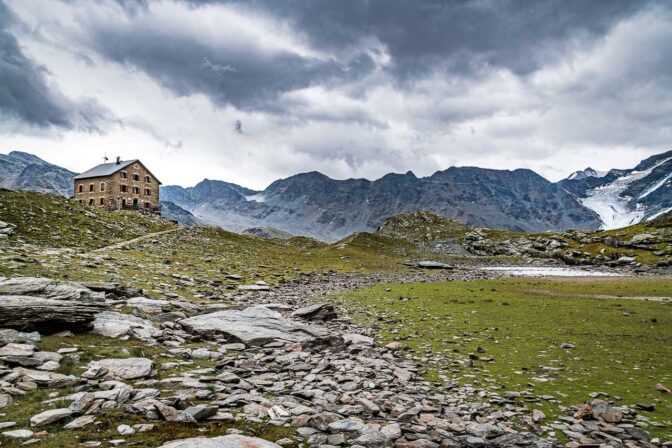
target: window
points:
(148, 192)
(135, 202)
(136, 177)
(81, 188)
(102, 201)
(147, 205)
(124, 175)
(91, 187)
(123, 202)
(124, 188)
(102, 186)
(148, 180)
(136, 190)
(81, 201)
(91, 202)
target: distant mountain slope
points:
(173, 212)
(315, 205)
(23, 171)
(626, 197)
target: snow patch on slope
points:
(660, 213)
(616, 211)
(259, 197)
(656, 186)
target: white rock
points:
(18, 434)
(255, 325)
(125, 430)
(114, 325)
(125, 368)
(230, 441)
(50, 416)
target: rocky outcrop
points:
(253, 326)
(44, 288)
(29, 313)
(45, 305)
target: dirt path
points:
(134, 240)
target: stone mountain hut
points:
(119, 185)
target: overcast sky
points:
(251, 91)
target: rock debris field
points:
(276, 358)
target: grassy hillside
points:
(63, 240)
(648, 242)
(54, 221)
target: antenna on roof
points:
(105, 159)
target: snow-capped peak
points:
(588, 172)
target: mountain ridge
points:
(313, 204)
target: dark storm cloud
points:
(26, 96)
(24, 93)
(459, 36)
(241, 75)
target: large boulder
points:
(45, 288)
(255, 325)
(47, 315)
(114, 325)
(230, 441)
(125, 368)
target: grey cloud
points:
(459, 36)
(26, 96)
(245, 77)
(24, 93)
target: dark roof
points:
(107, 169)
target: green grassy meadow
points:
(621, 329)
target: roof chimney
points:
(118, 160)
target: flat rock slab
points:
(114, 325)
(31, 313)
(255, 325)
(254, 287)
(231, 441)
(434, 265)
(125, 368)
(50, 416)
(44, 287)
(151, 306)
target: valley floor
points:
(416, 358)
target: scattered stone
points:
(125, 430)
(663, 389)
(320, 311)
(18, 434)
(5, 400)
(80, 422)
(50, 416)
